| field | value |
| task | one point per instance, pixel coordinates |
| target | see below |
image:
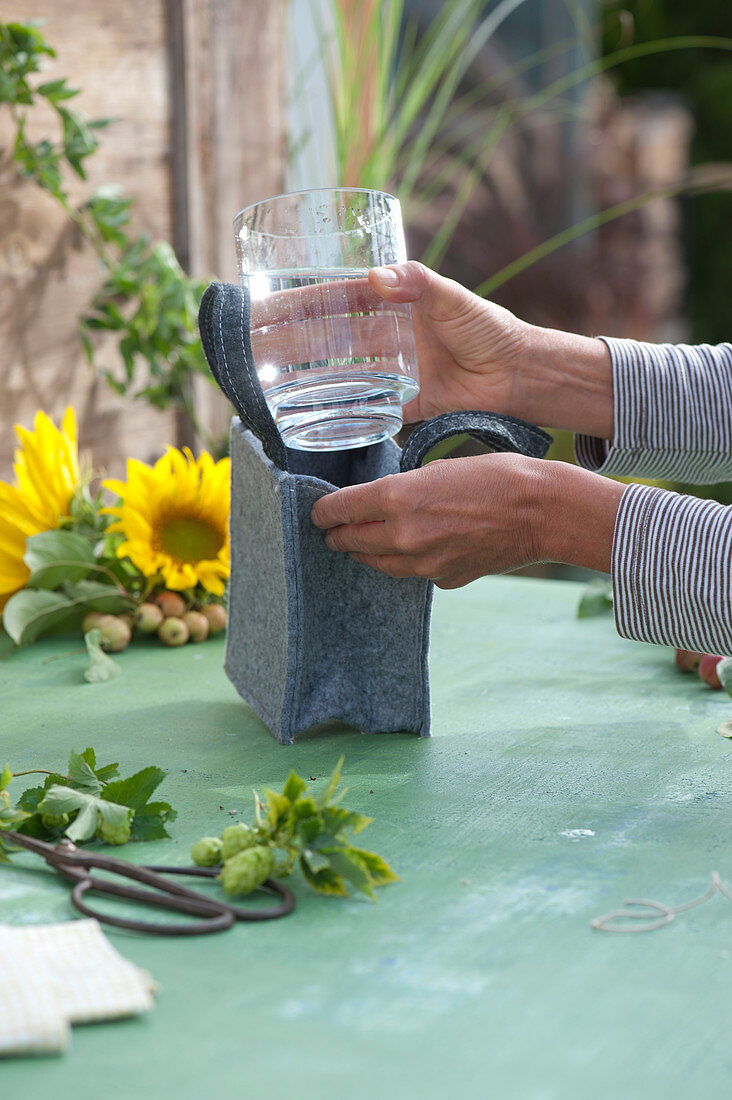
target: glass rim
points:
(239, 216)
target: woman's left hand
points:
(457, 519)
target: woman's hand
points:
(473, 354)
(458, 519)
(469, 350)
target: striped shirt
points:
(672, 554)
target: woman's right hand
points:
(474, 354)
(470, 351)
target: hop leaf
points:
(92, 812)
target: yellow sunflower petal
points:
(174, 516)
(46, 467)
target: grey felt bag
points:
(313, 635)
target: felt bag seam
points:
(422, 703)
(254, 699)
(293, 580)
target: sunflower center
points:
(189, 539)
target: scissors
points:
(216, 916)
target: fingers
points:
(341, 336)
(361, 538)
(393, 565)
(354, 504)
(398, 566)
(319, 300)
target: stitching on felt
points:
(421, 673)
(495, 431)
(223, 348)
(289, 498)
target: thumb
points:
(413, 282)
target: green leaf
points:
(95, 596)
(315, 860)
(136, 789)
(325, 881)
(81, 775)
(347, 863)
(101, 666)
(309, 830)
(107, 772)
(5, 777)
(596, 599)
(328, 791)
(149, 822)
(336, 819)
(31, 613)
(293, 787)
(55, 557)
(378, 868)
(90, 757)
(66, 800)
(278, 807)
(302, 808)
(32, 797)
(7, 645)
(104, 773)
(56, 90)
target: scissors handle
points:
(271, 885)
(167, 895)
(217, 916)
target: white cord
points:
(652, 919)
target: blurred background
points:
(566, 157)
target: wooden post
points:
(229, 78)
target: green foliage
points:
(57, 556)
(22, 51)
(101, 666)
(152, 307)
(293, 828)
(425, 137)
(596, 599)
(91, 813)
(90, 801)
(704, 81)
(59, 591)
(146, 299)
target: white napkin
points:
(55, 975)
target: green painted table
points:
(478, 974)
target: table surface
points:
(478, 973)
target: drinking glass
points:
(335, 362)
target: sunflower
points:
(175, 519)
(46, 471)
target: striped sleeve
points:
(672, 414)
(672, 554)
(672, 570)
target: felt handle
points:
(223, 320)
(501, 432)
